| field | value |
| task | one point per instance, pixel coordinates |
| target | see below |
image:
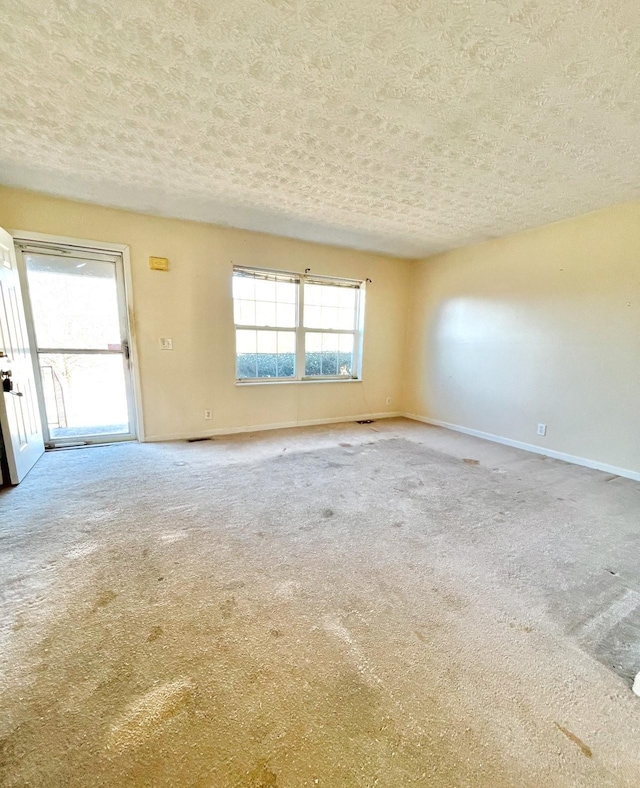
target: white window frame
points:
(300, 330)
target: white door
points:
(19, 416)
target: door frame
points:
(134, 394)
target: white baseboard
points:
(556, 455)
(263, 427)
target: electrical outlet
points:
(542, 429)
(166, 343)
(388, 400)
(208, 414)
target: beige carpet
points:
(384, 605)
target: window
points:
(292, 327)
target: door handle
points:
(7, 383)
(16, 393)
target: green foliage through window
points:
(278, 315)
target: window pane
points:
(286, 315)
(328, 306)
(286, 360)
(245, 312)
(312, 315)
(330, 295)
(329, 317)
(267, 342)
(246, 346)
(267, 365)
(264, 303)
(265, 354)
(246, 366)
(347, 298)
(346, 319)
(345, 354)
(286, 292)
(265, 291)
(265, 313)
(329, 362)
(312, 295)
(345, 344)
(328, 354)
(313, 342)
(244, 287)
(246, 341)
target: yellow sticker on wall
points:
(159, 263)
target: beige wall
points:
(192, 305)
(543, 326)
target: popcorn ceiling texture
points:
(400, 126)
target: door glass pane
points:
(74, 302)
(84, 394)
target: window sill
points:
(276, 382)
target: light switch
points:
(166, 343)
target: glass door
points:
(79, 321)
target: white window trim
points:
(300, 330)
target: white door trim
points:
(27, 236)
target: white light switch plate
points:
(166, 343)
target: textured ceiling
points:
(401, 126)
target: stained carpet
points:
(378, 605)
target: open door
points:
(19, 416)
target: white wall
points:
(192, 304)
(543, 326)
